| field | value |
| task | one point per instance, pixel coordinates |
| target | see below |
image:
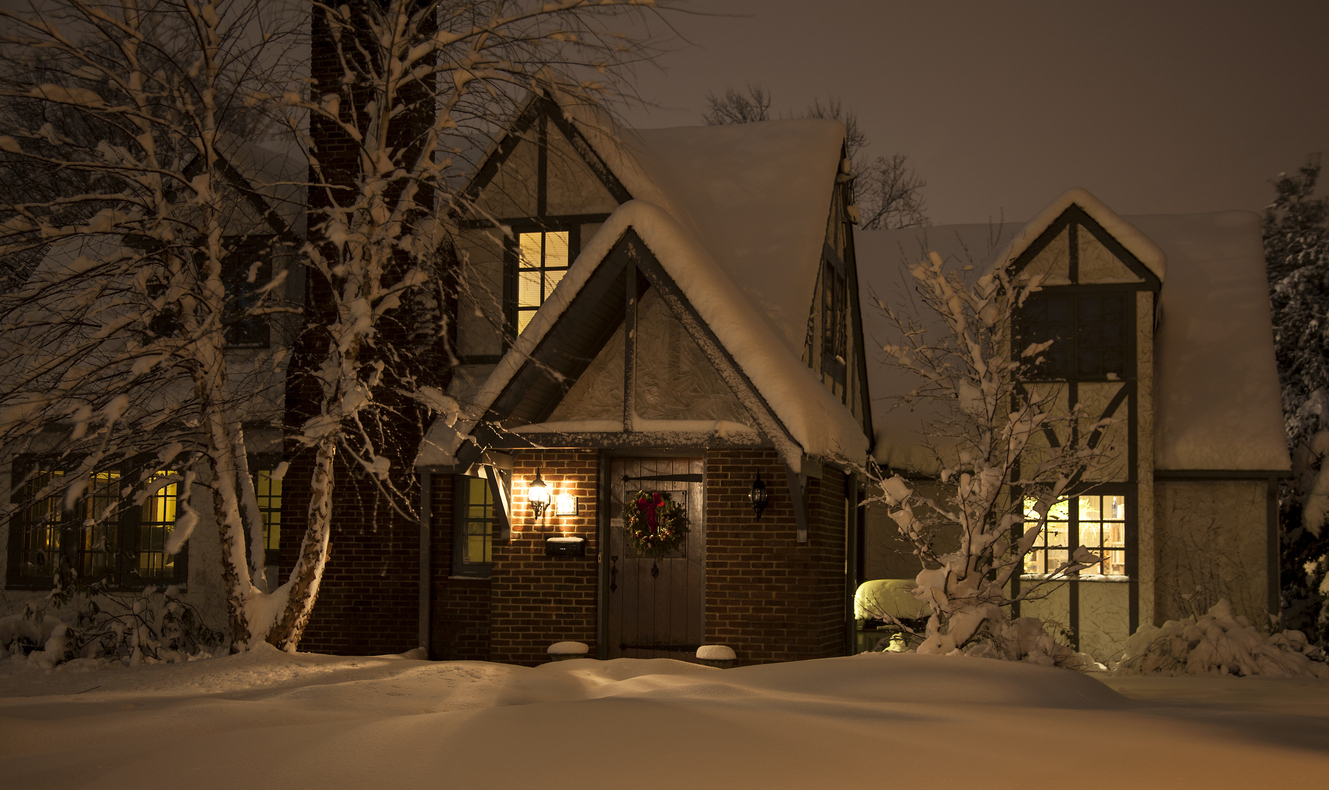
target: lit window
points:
(103, 536)
(475, 528)
(542, 260)
(1097, 523)
(155, 525)
(268, 493)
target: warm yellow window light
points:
(565, 505)
(542, 260)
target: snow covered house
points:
(264, 227)
(669, 311)
(1161, 325)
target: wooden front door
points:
(656, 607)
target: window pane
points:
(528, 250)
(156, 522)
(475, 544)
(528, 289)
(552, 280)
(268, 493)
(556, 250)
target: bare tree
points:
(888, 192)
(1000, 476)
(121, 344)
(735, 107)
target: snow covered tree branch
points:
(132, 268)
(1000, 473)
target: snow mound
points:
(1217, 643)
(715, 653)
(567, 648)
(923, 679)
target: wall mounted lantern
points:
(538, 495)
(758, 496)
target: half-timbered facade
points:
(671, 310)
(1161, 339)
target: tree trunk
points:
(306, 576)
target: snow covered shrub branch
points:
(135, 627)
(999, 472)
(1220, 643)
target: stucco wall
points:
(1212, 542)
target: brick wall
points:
(769, 597)
(537, 599)
(369, 599)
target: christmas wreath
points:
(656, 524)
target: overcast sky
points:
(1155, 107)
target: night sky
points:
(1155, 107)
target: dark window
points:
(475, 527)
(245, 271)
(834, 321)
(1089, 334)
(104, 535)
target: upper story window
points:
(105, 535)
(1088, 329)
(246, 270)
(834, 321)
(542, 258)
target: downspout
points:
(426, 498)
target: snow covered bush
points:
(999, 481)
(136, 627)
(1218, 643)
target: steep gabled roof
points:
(788, 402)
(736, 219)
(1216, 397)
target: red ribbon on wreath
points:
(650, 506)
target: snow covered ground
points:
(269, 719)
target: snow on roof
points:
(756, 195)
(1133, 240)
(276, 170)
(742, 203)
(819, 423)
(1216, 397)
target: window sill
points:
(468, 578)
(1084, 577)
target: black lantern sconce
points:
(758, 496)
(538, 495)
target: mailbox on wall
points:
(565, 547)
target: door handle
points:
(613, 573)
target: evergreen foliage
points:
(1296, 244)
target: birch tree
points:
(999, 477)
(415, 90)
(116, 323)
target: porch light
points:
(538, 495)
(566, 505)
(758, 496)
